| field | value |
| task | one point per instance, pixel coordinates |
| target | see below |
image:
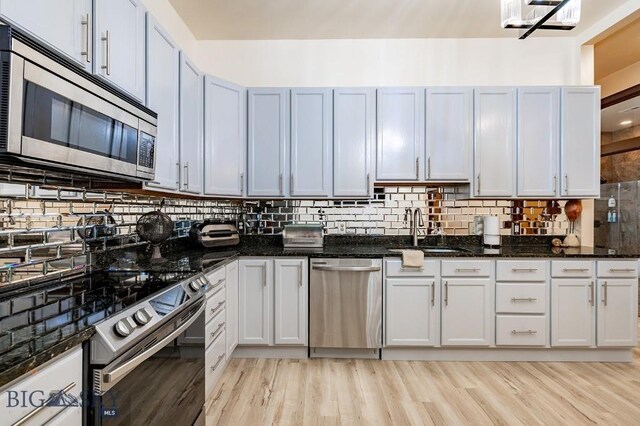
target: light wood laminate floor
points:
(310, 392)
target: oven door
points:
(155, 382)
(53, 120)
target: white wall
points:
(394, 62)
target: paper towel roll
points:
(491, 235)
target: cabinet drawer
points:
(214, 327)
(466, 268)
(64, 373)
(512, 330)
(572, 268)
(394, 268)
(214, 359)
(521, 270)
(215, 304)
(216, 279)
(518, 298)
(617, 268)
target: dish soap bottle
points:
(612, 214)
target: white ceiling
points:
(615, 115)
(345, 19)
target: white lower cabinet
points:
(273, 301)
(411, 312)
(62, 374)
(617, 312)
(467, 312)
(521, 330)
(572, 312)
(232, 307)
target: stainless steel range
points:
(139, 372)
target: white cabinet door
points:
(353, 131)
(580, 142)
(64, 25)
(255, 284)
(311, 116)
(538, 136)
(163, 78)
(467, 312)
(191, 127)
(225, 145)
(119, 45)
(410, 312)
(268, 120)
(449, 133)
(291, 289)
(618, 312)
(400, 134)
(572, 312)
(494, 141)
(232, 293)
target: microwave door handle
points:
(115, 374)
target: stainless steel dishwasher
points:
(345, 307)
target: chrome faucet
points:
(417, 220)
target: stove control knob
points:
(195, 285)
(142, 317)
(121, 328)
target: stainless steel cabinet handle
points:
(107, 48)
(575, 269)
(524, 269)
(526, 332)
(412, 268)
(433, 293)
(523, 299)
(217, 308)
(241, 183)
(213, 367)
(429, 167)
(186, 174)
(281, 185)
(604, 288)
(478, 184)
(300, 276)
(217, 284)
(53, 395)
(467, 269)
(622, 270)
(446, 293)
(591, 293)
(264, 276)
(368, 184)
(347, 268)
(178, 176)
(86, 25)
(291, 183)
(555, 184)
(566, 184)
(417, 168)
(215, 332)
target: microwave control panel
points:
(146, 150)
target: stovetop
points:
(35, 319)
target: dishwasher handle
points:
(347, 268)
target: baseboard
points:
(532, 355)
(345, 353)
(271, 352)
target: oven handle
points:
(119, 371)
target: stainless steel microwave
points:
(54, 114)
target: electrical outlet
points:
(342, 228)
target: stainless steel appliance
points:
(140, 375)
(57, 115)
(215, 234)
(303, 236)
(345, 307)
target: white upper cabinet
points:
(353, 134)
(311, 137)
(449, 133)
(224, 131)
(580, 142)
(268, 119)
(290, 301)
(163, 80)
(494, 142)
(617, 312)
(400, 134)
(538, 136)
(65, 25)
(119, 45)
(191, 127)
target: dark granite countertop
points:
(18, 357)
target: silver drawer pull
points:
(217, 330)
(217, 284)
(220, 358)
(622, 270)
(526, 333)
(52, 396)
(524, 269)
(217, 308)
(412, 268)
(467, 269)
(523, 299)
(575, 269)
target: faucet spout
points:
(417, 221)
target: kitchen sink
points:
(433, 249)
